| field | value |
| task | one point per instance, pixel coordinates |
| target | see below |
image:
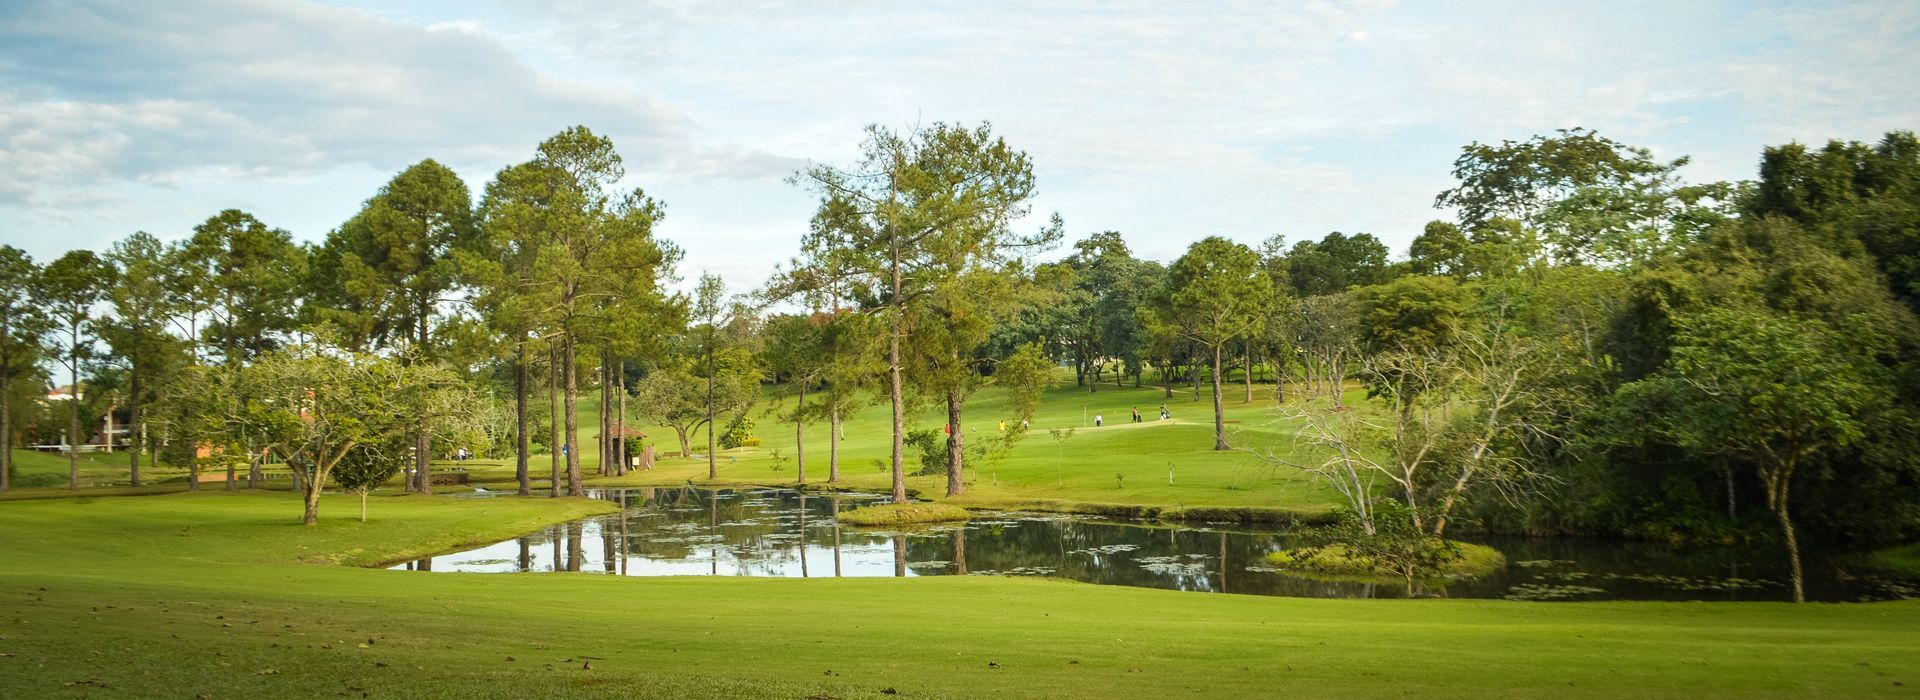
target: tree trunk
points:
(1727, 471)
(800, 446)
(895, 393)
(1194, 374)
(713, 465)
(73, 418)
(133, 428)
(574, 487)
(620, 424)
(1219, 414)
(1166, 383)
(1249, 377)
(363, 505)
(254, 475)
(6, 421)
(956, 446)
(833, 446)
(1793, 554)
(522, 445)
(686, 443)
(960, 551)
(553, 400)
(312, 516)
(1779, 482)
(423, 461)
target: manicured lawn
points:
(1165, 465)
(1168, 464)
(224, 595)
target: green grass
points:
(211, 594)
(1904, 558)
(1164, 469)
(888, 514)
(1155, 468)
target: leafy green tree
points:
(1597, 200)
(797, 349)
(22, 324)
(826, 277)
(1770, 391)
(1110, 285)
(721, 358)
(916, 203)
(1337, 263)
(70, 286)
(1855, 196)
(319, 408)
(513, 218)
(252, 275)
(675, 397)
(1026, 374)
(396, 265)
(1416, 313)
(593, 243)
(363, 470)
(137, 333)
(1220, 285)
(1440, 249)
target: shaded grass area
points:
(1904, 558)
(205, 594)
(903, 514)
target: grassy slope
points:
(203, 594)
(1119, 463)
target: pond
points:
(778, 532)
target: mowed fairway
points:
(224, 595)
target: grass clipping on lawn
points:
(904, 514)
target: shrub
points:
(738, 434)
(904, 514)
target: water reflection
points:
(773, 532)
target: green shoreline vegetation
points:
(913, 513)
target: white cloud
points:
(1165, 120)
(106, 91)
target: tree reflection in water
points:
(768, 532)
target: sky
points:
(1167, 121)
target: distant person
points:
(1163, 412)
(1136, 414)
(1003, 425)
(1096, 420)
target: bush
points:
(1394, 548)
(904, 514)
(739, 433)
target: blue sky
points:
(1167, 121)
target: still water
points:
(777, 532)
